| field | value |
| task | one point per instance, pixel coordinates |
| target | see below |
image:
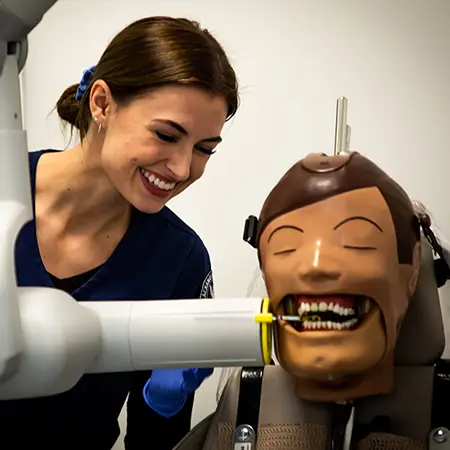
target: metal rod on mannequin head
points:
(342, 130)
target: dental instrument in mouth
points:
(287, 318)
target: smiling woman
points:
(150, 115)
(161, 143)
(161, 117)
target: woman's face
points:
(159, 144)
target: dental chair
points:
(259, 410)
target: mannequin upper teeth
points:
(316, 322)
(157, 182)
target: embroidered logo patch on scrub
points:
(207, 287)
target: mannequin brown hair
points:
(150, 53)
(301, 186)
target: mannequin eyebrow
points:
(183, 130)
(290, 227)
(349, 219)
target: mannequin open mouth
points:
(338, 312)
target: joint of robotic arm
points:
(20, 50)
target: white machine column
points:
(15, 205)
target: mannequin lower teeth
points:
(327, 313)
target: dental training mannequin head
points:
(152, 112)
(339, 245)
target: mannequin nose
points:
(319, 274)
(318, 264)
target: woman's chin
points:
(148, 208)
(146, 204)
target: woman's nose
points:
(180, 164)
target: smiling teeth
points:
(323, 306)
(157, 182)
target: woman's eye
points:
(165, 137)
(206, 151)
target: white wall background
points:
(293, 58)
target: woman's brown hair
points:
(151, 53)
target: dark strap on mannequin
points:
(250, 397)
(440, 411)
(339, 417)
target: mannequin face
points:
(335, 264)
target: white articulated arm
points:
(15, 210)
(64, 339)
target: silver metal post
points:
(342, 131)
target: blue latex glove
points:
(166, 391)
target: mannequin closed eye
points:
(359, 232)
(347, 246)
(283, 247)
(359, 247)
(282, 252)
(359, 236)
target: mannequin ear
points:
(416, 261)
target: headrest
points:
(422, 338)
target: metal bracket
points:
(342, 132)
(244, 438)
(439, 439)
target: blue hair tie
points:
(84, 83)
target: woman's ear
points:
(416, 261)
(100, 102)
